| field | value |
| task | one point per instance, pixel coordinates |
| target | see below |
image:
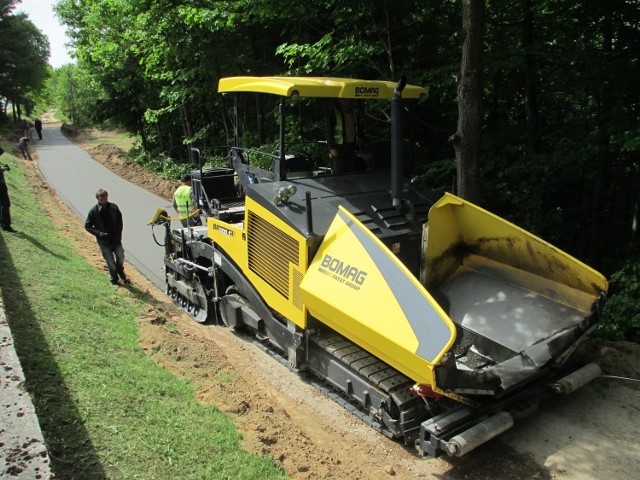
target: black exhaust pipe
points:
(397, 167)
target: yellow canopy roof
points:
(318, 87)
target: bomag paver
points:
(438, 322)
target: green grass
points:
(106, 409)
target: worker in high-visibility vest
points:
(184, 204)
(343, 136)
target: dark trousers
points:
(113, 254)
(5, 204)
(346, 159)
(25, 153)
(5, 216)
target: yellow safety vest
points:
(341, 131)
(337, 131)
(182, 197)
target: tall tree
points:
(466, 140)
(530, 78)
(23, 56)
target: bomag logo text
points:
(345, 273)
(367, 91)
(223, 230)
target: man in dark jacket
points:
(38, 126)
(5, 203)
(105, 222)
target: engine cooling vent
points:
(270, 252)
(297, 294)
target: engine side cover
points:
(359, 288)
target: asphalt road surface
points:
(76, 177)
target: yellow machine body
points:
(319, 87)
(462, 235)
(271, 254)
(406, 304)
(356, 286)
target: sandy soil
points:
(591, 434)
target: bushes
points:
(621, 313)
(168, 168)
(159, 163)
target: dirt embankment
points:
(284, 418)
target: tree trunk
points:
(598, 201)
(466, 140)
(392, 68)
(530, 73)
(635, 224)
(226, 121)
(259, 120)
(188, 130)
(143, 135)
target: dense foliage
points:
(24, 52)
(621, 311)
(560, 140)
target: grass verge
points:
(106, 410)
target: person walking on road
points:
(5, 203)
(23, 145)
(38, 127)
(183, 203)
(105, 222)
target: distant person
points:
(5, 203)
(23, 145)
(24, 128)
(343, 136)
(105, 222)
(38, 127)
(184, 203)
